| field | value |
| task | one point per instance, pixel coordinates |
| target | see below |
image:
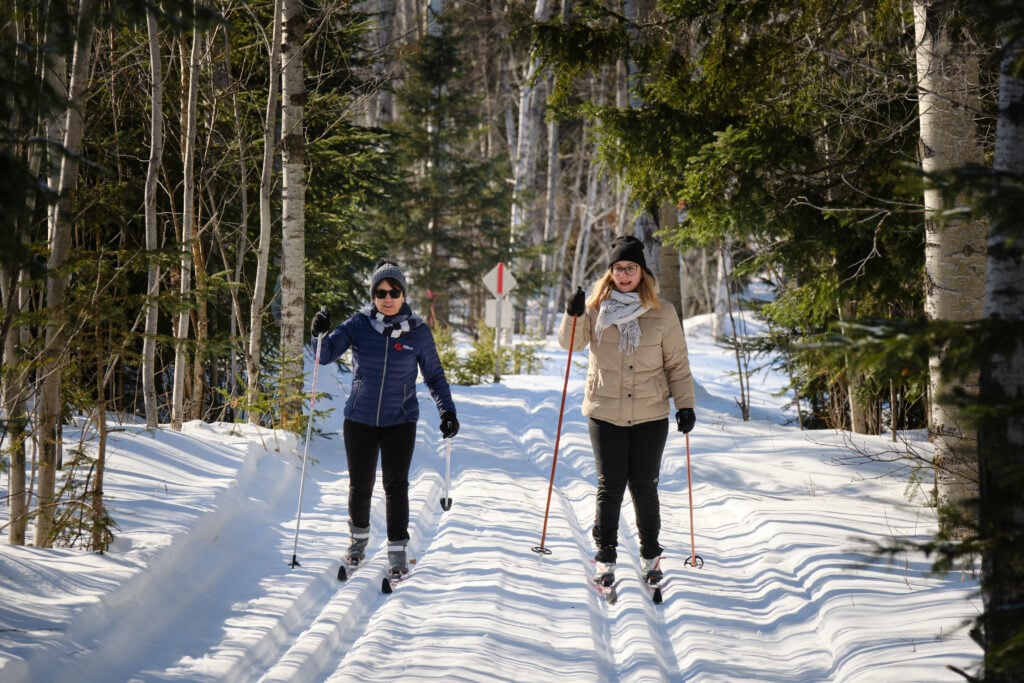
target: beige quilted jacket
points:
(628, 389)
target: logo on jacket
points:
(399, 346)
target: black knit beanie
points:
(627, 248)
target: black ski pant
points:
(363, 443)
(627, 456)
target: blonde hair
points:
(647, 289)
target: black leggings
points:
(627, 456)
(395, 445)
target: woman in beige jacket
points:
(638, 361)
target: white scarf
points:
(391, 325)
(622, 310)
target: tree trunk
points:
(524, 161)
(14, 381)
(201, 325)
(949, 101)
(236, 320)
(50, 399)
(14, 376)
(98, 509)
(857, 413)
(551, 265)
(668, 261)
(721, 323)
(266, 221)
(156, 151)
(179, 410)
(293, 219)
(1001, 434)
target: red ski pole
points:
(694, 560)
(558, 432)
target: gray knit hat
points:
(387, 270)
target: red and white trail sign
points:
(499, 281)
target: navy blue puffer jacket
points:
(385, 368)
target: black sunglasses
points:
(384, 293)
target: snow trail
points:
(197, 585)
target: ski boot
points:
(360, 536)
(356, 550)
(650, 570)
(397, 560)
(604, 566)
(604, 573)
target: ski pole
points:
(558, 432)
(305, 450)
(446, 502)
(694, 560)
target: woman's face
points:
(384, 298)
(627, 275)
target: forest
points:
(184, 184)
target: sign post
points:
(499, 281)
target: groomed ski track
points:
(477, 595)
(314, 628)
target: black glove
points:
(321, 324)
(685, 419)
(449, 424)
(577, 305)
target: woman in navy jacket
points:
(390, 346)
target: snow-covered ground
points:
(198, 587)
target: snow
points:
(198, 585)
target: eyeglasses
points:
(385, 293)
(631, 269)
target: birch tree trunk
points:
(50, 400)
(266, 219)
(156, 151)
(720, 323)
(178, 408)
(1001, 437)
(550, 263)
(524, 161)
(949, 101)
(293, 219)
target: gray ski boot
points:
(360, 536)
(397, 561)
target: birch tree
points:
(59, 247)
(949, 101)
(266, 220)
(189, 134)
(527, 141)
(156, 147)
(293, 218)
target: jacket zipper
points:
(383, 375)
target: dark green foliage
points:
(23, 198)
(478, 363)
(785, 128)
(352, 171)
(449, 222)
